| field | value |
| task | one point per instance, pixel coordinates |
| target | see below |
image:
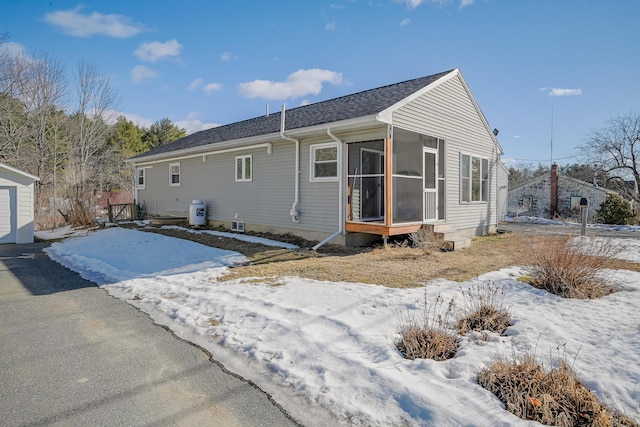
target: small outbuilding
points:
(553, 195)
(16, 205)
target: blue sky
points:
(202, 63)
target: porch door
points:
(372, 181)
(430, 183)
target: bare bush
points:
(551, 397)
(569, 269)
(426, 240)
(483, 309)
(428, 335)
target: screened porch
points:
(402, 201)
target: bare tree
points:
(89, 150)
(615, 148)
(14, 122)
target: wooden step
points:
(457, 243)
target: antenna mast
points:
(551, 133)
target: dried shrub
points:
(483, 310)
(551, 397)
(571, 269)
(426, 240)
(428, 335)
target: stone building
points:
(553, 195)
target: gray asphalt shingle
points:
(352, 106)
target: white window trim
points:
(144, 178)
(171, 183)
(244, 172)
(482, 196)
(312, 162)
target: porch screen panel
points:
(365, 180)
(407, 199)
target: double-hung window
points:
(324, 162)
(474, 179)
(243, 168)
(174, 174)
(141, 175)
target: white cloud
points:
(226, 57)
(195, 84)
(75, 23)
(415, 3)
(331, 26)
(141, 73)
(507, 161)
(404, 22)
(193, 124)
(212, 87)
(304, 102)
(565, 92)
(154, 51)
(13, 49)
(297, 84)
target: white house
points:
(377, 163)
(16, 205)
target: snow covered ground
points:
(330, 345)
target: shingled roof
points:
(346, 107)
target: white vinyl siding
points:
(174, 174)
(243, 168)
(266, 201)
(16, 206)
(447, 111)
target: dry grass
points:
(483, 310)
(429, 334)
(553, 397)
(397, 266)
(426, 240)
(571, 270)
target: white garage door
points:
(7, 215)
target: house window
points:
(174, 174)
(140, 178)
(243, 168)
(324, 162)
(474, 179)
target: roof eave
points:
(19, 172)
(341, 125)
(205, 148)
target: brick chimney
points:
(554, 191)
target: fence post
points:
(110, 211)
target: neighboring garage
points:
(16, 205)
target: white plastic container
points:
(197, 212)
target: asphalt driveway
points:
(565, 230)
(72, 355)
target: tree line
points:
(64, 130)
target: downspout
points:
(294, 213)
(340, 195)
